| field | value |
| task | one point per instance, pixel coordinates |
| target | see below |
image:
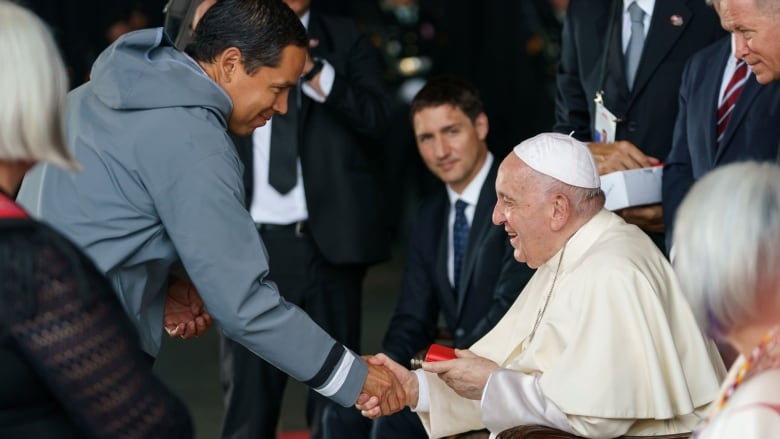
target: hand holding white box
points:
(634, 187)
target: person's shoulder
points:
(762, 387)
(707, 55)
(624, 250)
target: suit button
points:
(459, 332)
(632, 126)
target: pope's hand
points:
(467, 375)
(619, 156)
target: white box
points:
(634, 187)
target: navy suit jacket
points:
(752, 133)
(491, 278)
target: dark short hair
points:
(449, 90)
(260, 29)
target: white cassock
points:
(617, 350)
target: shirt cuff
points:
(327, 76)
(423, 394)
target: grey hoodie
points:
(162, 185)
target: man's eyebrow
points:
(284, 84)
(451, 126)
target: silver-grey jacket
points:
(162, 184)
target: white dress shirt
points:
(269, 206)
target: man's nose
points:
(498, 215)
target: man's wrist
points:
(315, 69)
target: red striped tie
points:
(730, 98)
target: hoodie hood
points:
(143, 70)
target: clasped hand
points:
(185, 315)
(467, 376)
(620, 156)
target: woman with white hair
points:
(727, 256)
(70, 365)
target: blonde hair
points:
(33, 84)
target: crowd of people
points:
(230, 170)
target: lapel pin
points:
(676, 20)
(313, 42)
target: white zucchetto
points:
(562, 157)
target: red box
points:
(439, 352)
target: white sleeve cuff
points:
(423, 394)
(327, 76)
(512, 398)
(339, 377)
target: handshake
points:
(390, 387)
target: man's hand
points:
(184, 315)
(467, 375)
(404, 390)
(648, 217)
(619, 156)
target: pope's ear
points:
(561, 212)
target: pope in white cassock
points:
(600, 343)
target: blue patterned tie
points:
(460, 238)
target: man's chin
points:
(242, 130)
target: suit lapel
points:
(441, 277)
(741, 108)
(711, 87)
(616, 70)
(661, 38)
(481, 224)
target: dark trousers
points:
(347, 423)
(330, 294)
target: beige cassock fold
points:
(616, 341)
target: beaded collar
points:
(765, 356)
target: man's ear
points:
(482, 126)
(561, 208)
(228, 63)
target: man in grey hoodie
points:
(162, 185)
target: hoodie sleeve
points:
(201, 208)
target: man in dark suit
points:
(751, 133)
(595, 44)
(725, 116)
(450, 127)
(323, 226)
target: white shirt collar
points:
(471, 193)
(646, 5)
(305, 19)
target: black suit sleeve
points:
(413, 324)
(571, 102)
(678, 172)
(358, 94)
